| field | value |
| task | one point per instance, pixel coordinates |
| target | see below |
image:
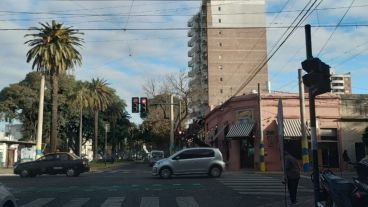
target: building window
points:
(220, 44)
(220, 67)
(219, 8)
(221, 91)
(220, 20)
(221, 79)
(220, 57)
(220, 32)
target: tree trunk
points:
(54, 110)
(95, 150)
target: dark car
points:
(52, 164)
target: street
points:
(133, 185)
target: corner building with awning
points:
(234, 128)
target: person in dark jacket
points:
(292, 170)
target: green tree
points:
(53, 51)
(101, 96)
(81, 101)
(114, 113)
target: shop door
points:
(10, 158)
(247, 153)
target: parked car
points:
(6, 198)
(52, 164)
(197, 160)
(154, 156)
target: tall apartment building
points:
(341, 84)
(228, 44)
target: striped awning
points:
(292, 128)
(240, 130)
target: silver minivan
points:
(196, 160)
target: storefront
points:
(235, 130)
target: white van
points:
(154, 156)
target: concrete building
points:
(228, 46)
(354, 121)
(233, 128)
(341, 84)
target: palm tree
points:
(101, 96)
(81, 100)
(53, 51)
(114, 113)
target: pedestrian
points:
(292, 170)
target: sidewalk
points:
(6, 171)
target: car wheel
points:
(24, 173)
(215, 171)
(71, 172)
(165, 173)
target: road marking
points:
(149, 202)
(113, 202)
(186, 202)
(76, 202)
(38, 202)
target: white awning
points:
(240, 130)
(292, 128)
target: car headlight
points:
(157, 163)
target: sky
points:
(128, 42)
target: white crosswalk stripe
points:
(186, 202)
(150, 202)
(113, 202)
(38, 202)
(254, 184)
(76, 202)
(181, 201)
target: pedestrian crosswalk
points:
(257, 184)
(183, 201)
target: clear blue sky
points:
(128, 58)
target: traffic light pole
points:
(312, 114)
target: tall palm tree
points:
(114, 113)
(101, 96)
(53, 51)
(81, 100)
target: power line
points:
(342, 18)
(259, 68)
(185, 28)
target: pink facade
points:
(243, 152)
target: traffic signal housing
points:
(144, 104)
(135, 104)
(317, 78)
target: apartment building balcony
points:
(190, 33)
(190, 63)
(190, 54)
(337, 87)
(195, 49)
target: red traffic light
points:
(135, 104)
(144, 105)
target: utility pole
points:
(80, 132)
(40, 118)
(262, 166)
(171, 124)
(312, 114)
(305, 152)
(107, 128)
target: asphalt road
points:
(134, 186)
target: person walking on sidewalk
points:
(292, 170)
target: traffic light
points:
(144, 104)
(317, 78)
(135, 105)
